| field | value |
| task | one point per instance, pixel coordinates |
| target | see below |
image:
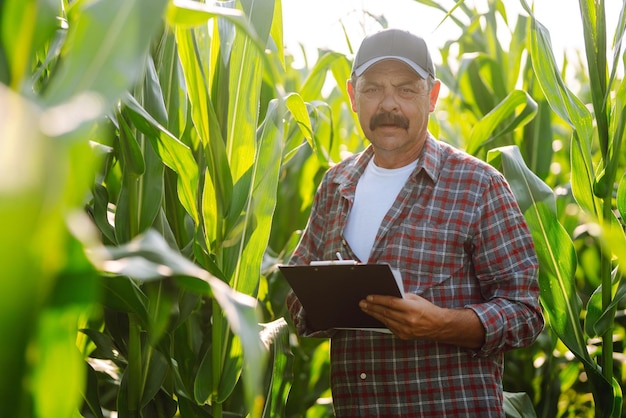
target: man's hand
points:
(415, 317)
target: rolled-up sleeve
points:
(506, 267)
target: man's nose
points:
(389, 100)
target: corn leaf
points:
(134, 165)
(57, 338)
(537, 141)
(620, 31)
(157, 371)
(41, 182)
(106, 48)
(91, 395)
(25, 27)
(599, 320)
(124, 295)
(557, 261)
(300, 115)
(525, 185)
(275, 336)
(188, 13)
(613, 239)
(149, 258)
(260, 15)
(172, 152)
(100, 214)
(472, 86)
(555, 250)
(261, 200)
(253, 235)
(276, 33)
(557, 258)
(314, 82)
(232, 367)
(621, 198)
(75, 290)
(245, 79)
(518, 405)
(203, 384)
(172, 83)
(151, 187)
(570, 109)
(515, 111)
(594, 32)
(217, 189)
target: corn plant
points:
(155, 168)
(165, 121)
(547, 110)
(597, 167)
(49, 285)
(217, 210)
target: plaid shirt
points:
(457, 236)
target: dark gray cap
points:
(394, 44)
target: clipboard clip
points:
(339, 261)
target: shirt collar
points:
(429, 161)
(355, 166)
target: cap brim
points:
(367, 64)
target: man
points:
(449, 223)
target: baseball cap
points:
(394, 44)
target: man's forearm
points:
(461, 327)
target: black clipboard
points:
(330, 293)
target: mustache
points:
(388, 119)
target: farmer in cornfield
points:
(449, 223)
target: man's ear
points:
(351, 94)
(434, 94)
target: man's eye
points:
(407, 92)
(372, 92)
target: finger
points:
(412, 296)
(381, 312)
(389, 302)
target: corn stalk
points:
(594, 180)
(112, 122)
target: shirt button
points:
(363, 376)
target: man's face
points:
(393, 104)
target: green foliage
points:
(592, 186)
(168, 320)
(579, 274)
(159, 159)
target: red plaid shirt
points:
(457, 236)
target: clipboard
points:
(330, 292)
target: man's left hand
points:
(415, 317)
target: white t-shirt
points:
(376, 191)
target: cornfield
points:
(158, 160)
